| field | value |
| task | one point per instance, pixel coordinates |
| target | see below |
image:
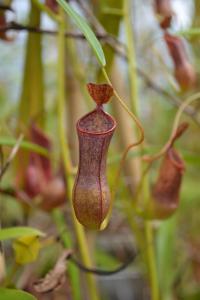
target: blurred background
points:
(28, 94)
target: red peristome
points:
(176, 49)
(3, 23)
(166, 22)
(39, 137)
(100, 93)
(165, 197)
(91, 195)
(186, 76)
(53, 5)
(184, 72)
(163, 7)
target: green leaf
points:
(10, 142)
(166, 238)
(16, 232)
(12, 294)
(26, 249)
(86, 30)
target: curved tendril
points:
(135, 119)
(100, 272)
(126, 151)
(103, 272)
(175, 129)
(122, 162)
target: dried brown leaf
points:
(55, 278)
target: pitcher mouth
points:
(176, 159)
(96, 122)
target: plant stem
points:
(131, 57)
(80, 234)
(31, 102)
(8, 281)
(151, 261)
(31, 105)
(42, 7)
(67, 242)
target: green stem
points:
(42, 7)
(80, 234)
(151, 261)
(31, 102)
(113, 11)
(131, 57)
(61, 100)
(32, 96)
(67, 242)
(8, 281)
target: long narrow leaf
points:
(16, 232)
(86, 30)
(10, 142)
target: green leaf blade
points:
(86, 30)
(12, 294)
(16, 232)
(26, 145)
